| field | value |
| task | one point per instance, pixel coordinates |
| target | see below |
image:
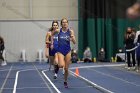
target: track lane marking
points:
(100, 88)
(58, 91)
(1, 90)
(109, 75)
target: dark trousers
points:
(1, 57)
(138, 61)
(87, 60)
(129, 54)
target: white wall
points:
(20, 32)
(28, 35)
(38, 9)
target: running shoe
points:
(55, 76)
(65, 84)
(3, 63)
(63, 70)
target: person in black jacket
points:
(101, 55)
(129, 44)
(1, 48)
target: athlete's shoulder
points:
(71, 30)
(49, 33)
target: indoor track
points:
(93, 78)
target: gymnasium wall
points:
(19, 35)
(38, 9)
(24, 23)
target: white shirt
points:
(87, 54)
(136, 38)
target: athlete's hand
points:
(52, 46)
(47, 53)
(72, 36)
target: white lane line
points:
(26, 88)
(109, 75)
(16, 79)
(7, 69)
(95, 66)
(43, 79)
(15, 84)
(104, 90)
(1, 90)
(43, 72)
(14, 69)
(43, 88)
(32, 88)
(79, 67)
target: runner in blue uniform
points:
(54, 48)
(52, 44)
(64, 51)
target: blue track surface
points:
(31, 79)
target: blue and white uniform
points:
(138, 49)
(64, 42)
(53, 51)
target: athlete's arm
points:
(47, 38)
(52, 42)
(72, 36)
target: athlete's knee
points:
(65, 68)
(55, 62)
(60, 65)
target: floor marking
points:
(95, 66)
(92, 84)
(4, 69)
(15, 84)
(43, 87)
(43, 72)
(27, 88)
(16, 79)
(81, 87)
(13, 69)
(115, 77)
(1, 90)
(43, 79)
